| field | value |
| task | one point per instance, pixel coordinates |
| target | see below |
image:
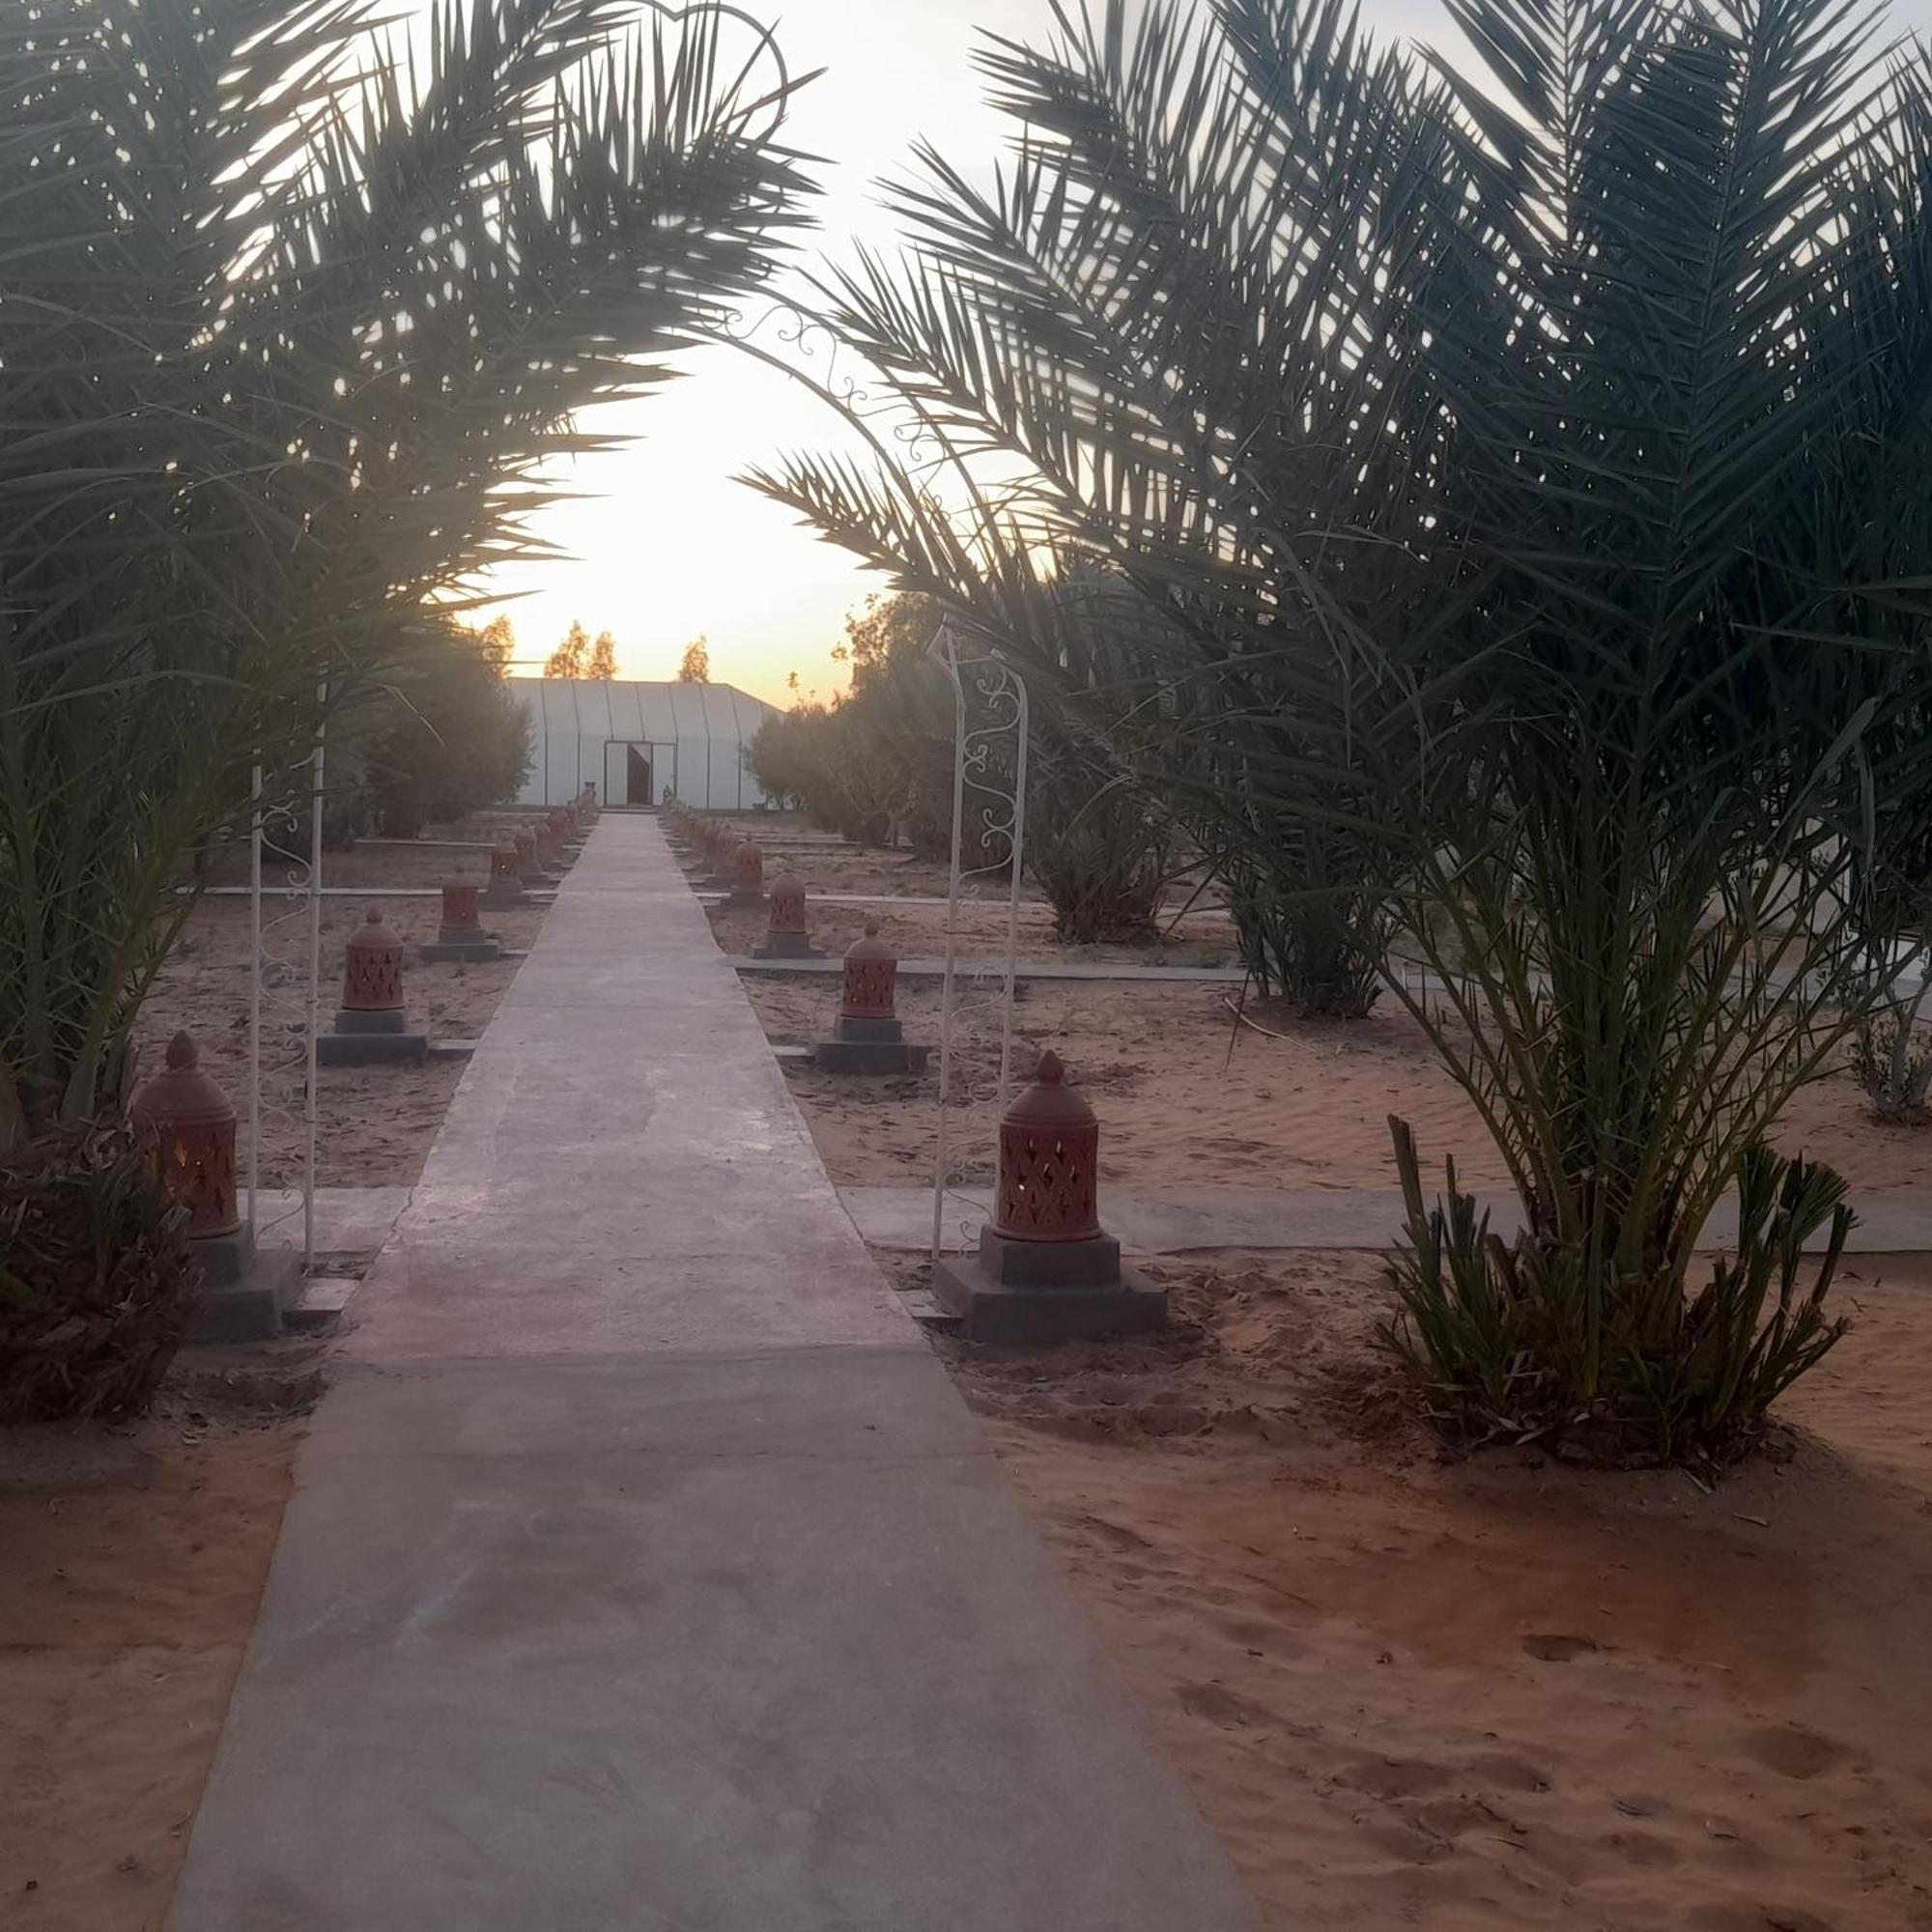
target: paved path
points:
(644, 1569)
(1179, 1220)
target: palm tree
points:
(298, 310)
(1523, 470)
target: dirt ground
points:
(376, 1124)
(1187, 1097)
(1495, 1692)
(135, 1556)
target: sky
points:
(664, 545)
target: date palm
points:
(1523, 468)
(297, 309)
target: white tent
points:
(635, 741)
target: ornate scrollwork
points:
(976, 1071)
(279, 1151)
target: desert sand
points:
(135, 1558)
(1497, 1692)
(1188, 1097)
(377, 1123)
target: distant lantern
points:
(190, 1123)
(1049, 1159)
(506, 883)
(871, 978)
(528, 871)
(747, 871)
(460, 920)
(788, 904)
(372, 969)
(786, 936)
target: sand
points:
(1187, 1098)
(377, 1123)
(135, 1560)
(1497, 1692)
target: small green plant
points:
(1891, 1058)
(1537, 1341)
(96, 1281)
(1323, 952)
(1099, 852)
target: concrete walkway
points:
(644, 1569)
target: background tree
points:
(694, 667)
(446, 738)
(602, 657)
(572, 657)
(1520, 472)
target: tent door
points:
(636, 772)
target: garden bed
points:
(1190, 1097)
(1465, 1694)
(377, 1123)
(135, 1558)
(1495, 1692)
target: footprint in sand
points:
(1557, 1648)
(1791, 1751)
(1218, 1705)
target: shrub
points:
(96, 1281)
(1101, 855)
(1322, 951)
(1539, 1340)
(450, 737)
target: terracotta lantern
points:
(503, 868)
(372, 969)
(1049, 1153)
(543, 842)
(748, 863)
(526, 851)
(192, 1122)
(871, 975)
(460, 922)
(788, 905)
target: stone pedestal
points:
(788, 946)
(502, 893)
(1014, 1291)
(739, 897)
(460, 952)
(245, 1290)
(869, 1046)
(369, 1039)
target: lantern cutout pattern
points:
(1045, 1270)
(786, 935)
(460, 923)
(1049, 1151)
(187, 1123)
(506, 885)
(191, 1122)
(871, 978)
(527, 870)
(369, 1024)
(372, 969)
(748, 874)
(867, 1037)
(459, 939)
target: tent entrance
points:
(636, 772)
